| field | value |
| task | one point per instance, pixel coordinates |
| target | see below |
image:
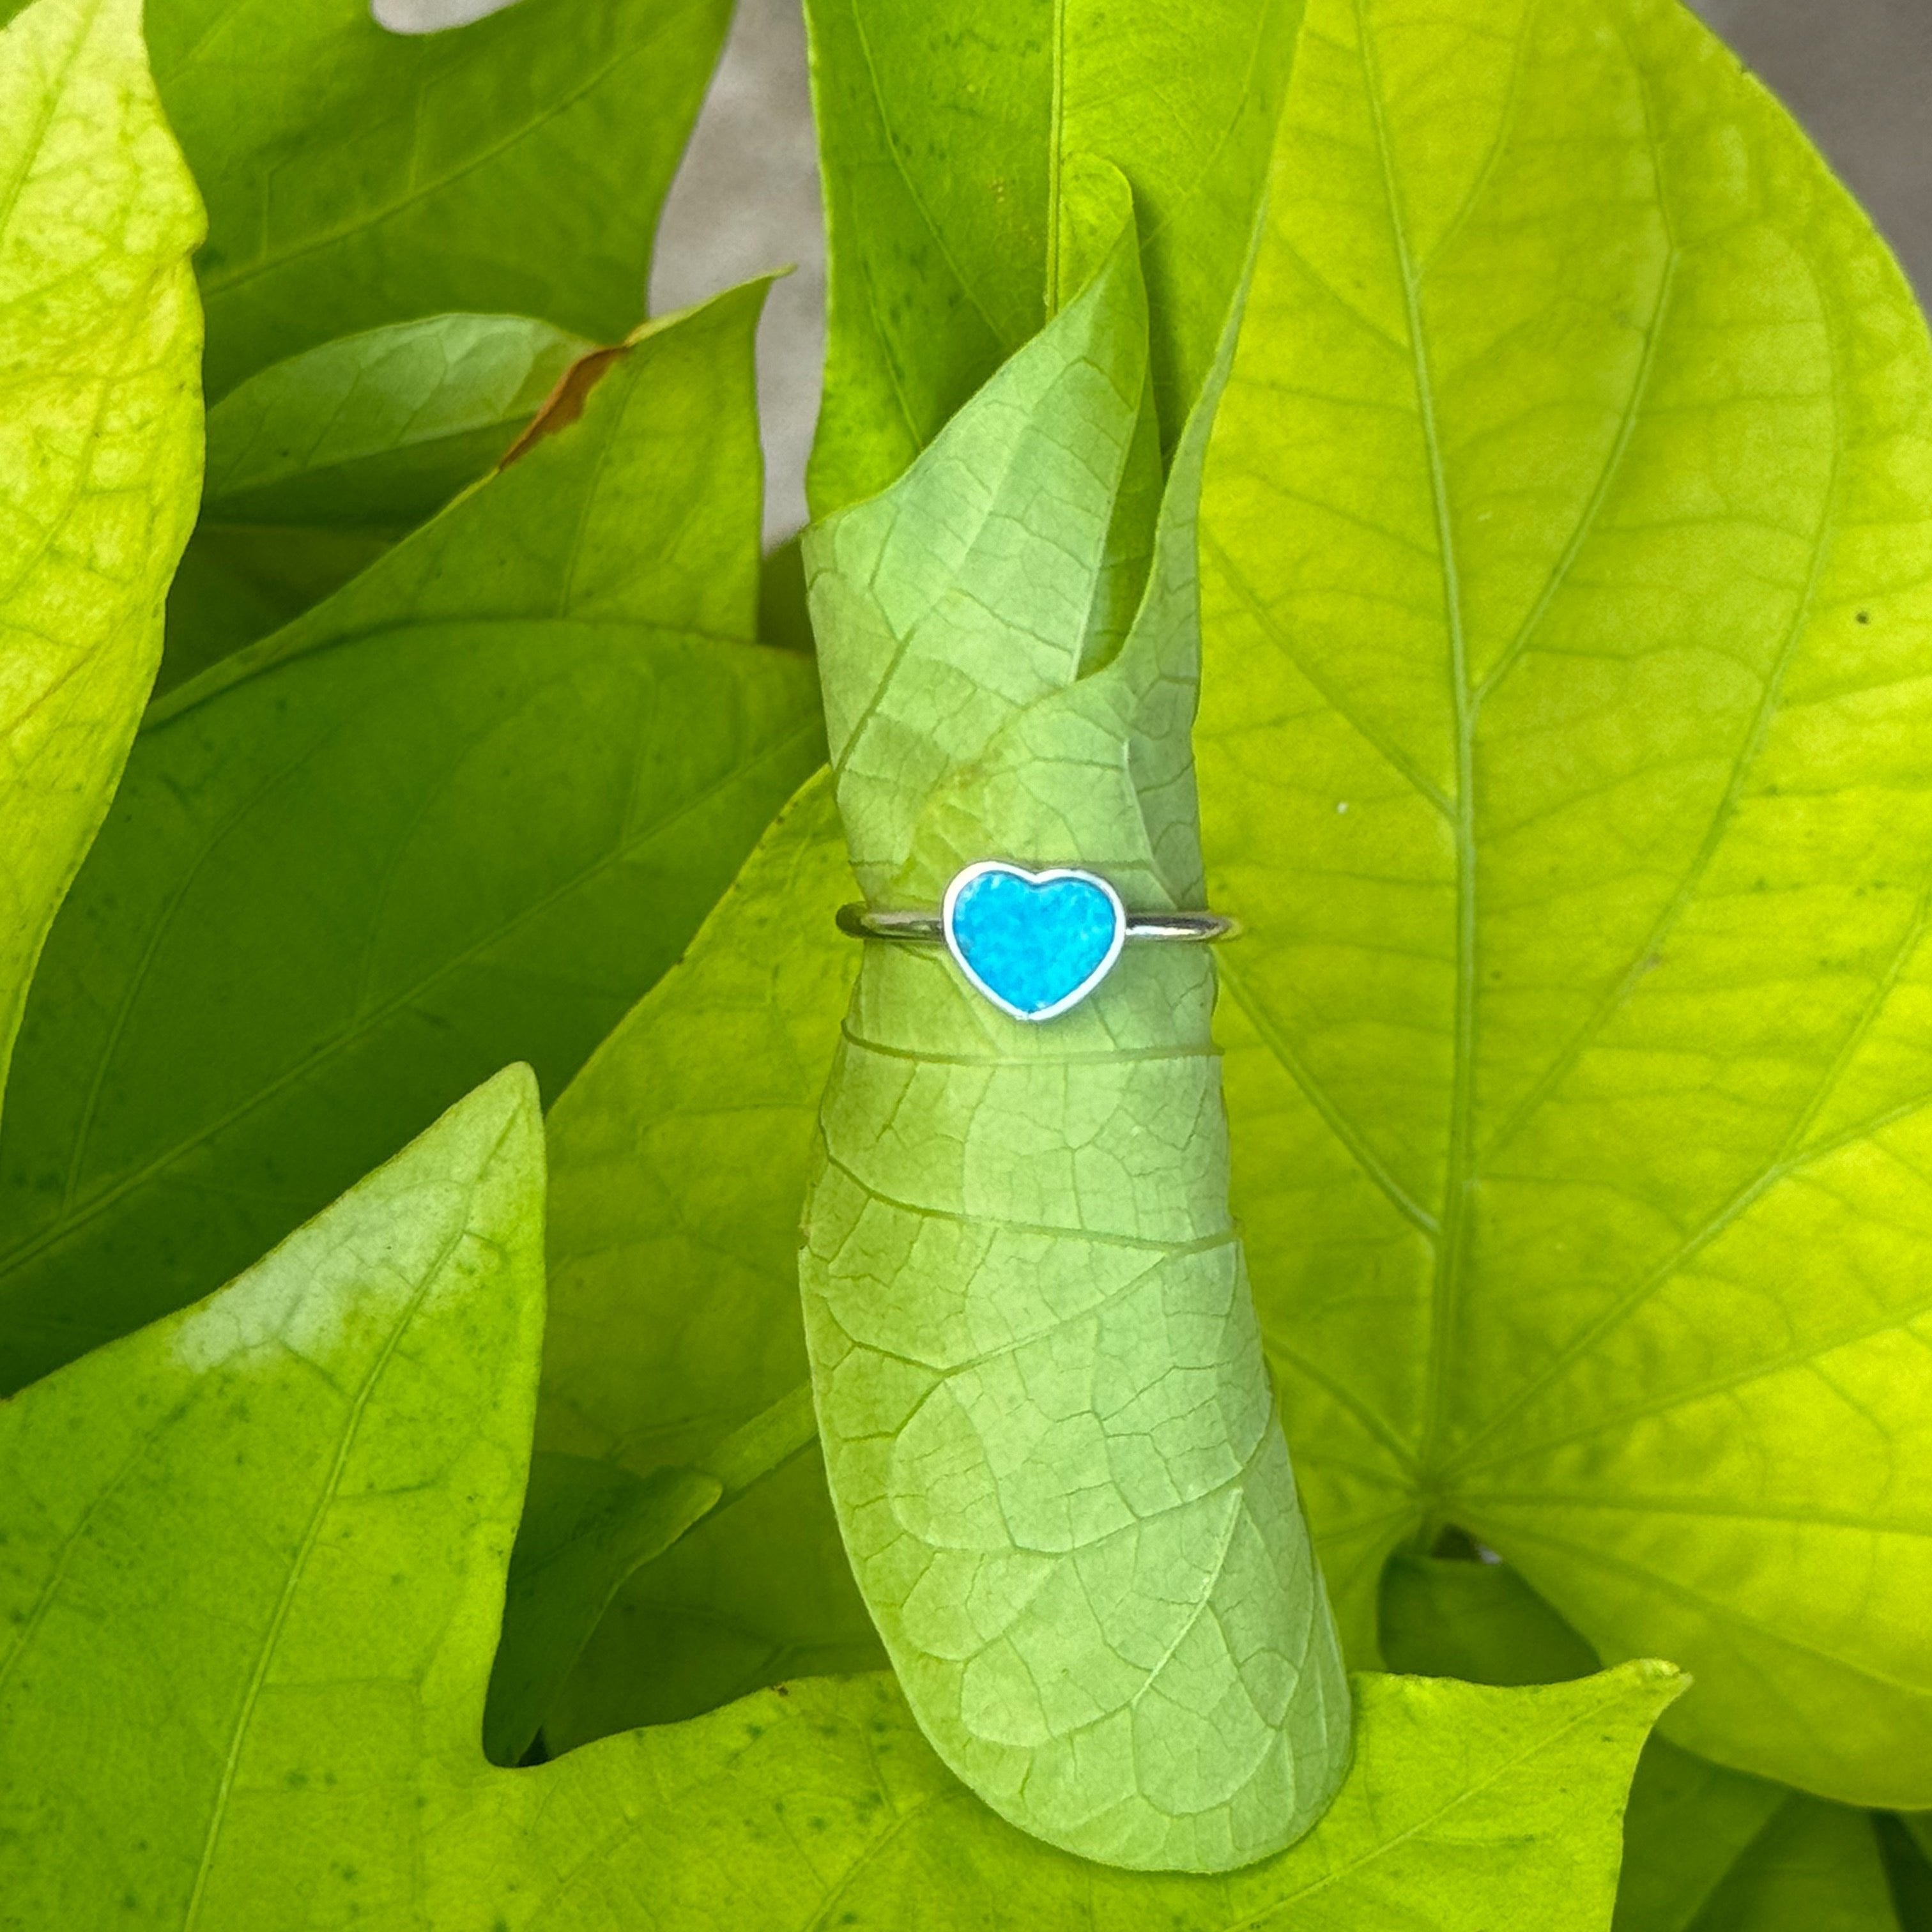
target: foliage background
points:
(1857, 72)
(391, 596)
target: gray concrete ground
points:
(1857, 72)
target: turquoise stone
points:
(1035, 943)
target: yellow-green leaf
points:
(1567, 744)
(100, 459)
(820, 1805)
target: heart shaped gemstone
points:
(1034, 942)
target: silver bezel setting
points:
(979, 869)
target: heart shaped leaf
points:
(1567, 746)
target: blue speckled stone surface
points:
(1032, 944)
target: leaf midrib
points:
(1626, 1304)
(1450, 1281)
(298, 1567)
(1458, 1180)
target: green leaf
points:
(819, 1805)
(100, 337)
(1908, 1871)
(1815, 1867)
(262, 1545)
(379, 431)
(1050, 1434)
(758, 1594)
(1688, 1821)
(946, 133)
(317, 465)
(783, 616)
(649, 514)
(235, 586)
(679, 1159)
(1454, 1617)
(355, 177)
(471, 807)
(1565, 746)
(585, 1526)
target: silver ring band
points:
(858, 921)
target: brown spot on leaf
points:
(565, 404)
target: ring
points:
(1035, 944)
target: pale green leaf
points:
(1688, 1821)
(468, 808)
(355, 177)
(679, 1159)
(262, 1545)
(100, 343)
(945, 132)
(1567, 744)
(1816, 1867)
(1050, 1436)
(316, 465)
